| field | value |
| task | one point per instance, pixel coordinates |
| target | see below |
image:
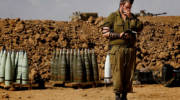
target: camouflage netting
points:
(158, 44)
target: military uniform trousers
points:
(123, 60)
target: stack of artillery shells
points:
(13, 67)
(76, 65)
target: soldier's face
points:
(127, 7)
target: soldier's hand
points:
(105, 30)
(128, 13)
(121, 35)
(121, 9)
(127, 36)
(107, 34)
(124, 35)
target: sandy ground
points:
(141, 92)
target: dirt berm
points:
(158, 44)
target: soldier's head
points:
(126, 4)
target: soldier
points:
(121, 28)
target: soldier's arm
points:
(108, 25)
(112, 35)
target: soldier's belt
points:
(121, 43)
(118, 42)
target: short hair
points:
(123, 1)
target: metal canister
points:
(89, 57)
(82, 57)
(13, 63)
(8, 70)
(16, 66)
(1, 54)
(67, 65)
(19, 68)
(87, 66)
(107, 70)
(79, 69)
(63, 66)
(95, 67)
(71, 65)
(16, 59)
(74, 65)
(25, 69)
(82, 53)
(90, 65)
(56, 66)
(67, 56)
(2, 66)
(59, 65)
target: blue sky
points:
(62, 9)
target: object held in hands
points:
(129, 34)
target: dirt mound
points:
(159, 43)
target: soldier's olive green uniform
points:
(123, 52)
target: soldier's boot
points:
(117, 96)
(124, 96)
